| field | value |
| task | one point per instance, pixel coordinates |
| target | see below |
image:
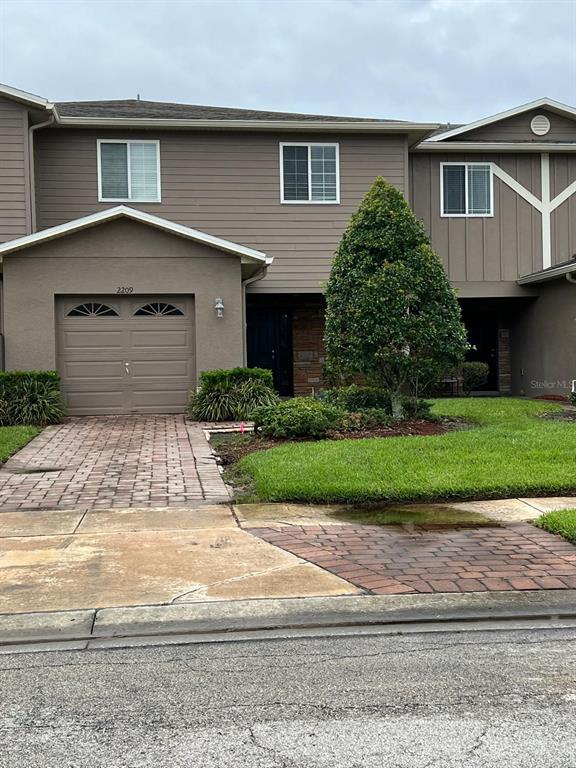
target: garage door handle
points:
(127, 366)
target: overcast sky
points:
(447, 60)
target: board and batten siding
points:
(517, 128)
(493, 249)
(563, 224)
(14, 177)
(228, 185)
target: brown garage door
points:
(125, 354)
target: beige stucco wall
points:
(105, 257)
(543, 342)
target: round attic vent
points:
(540, 125)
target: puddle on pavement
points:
(433, 515)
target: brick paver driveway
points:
(113, 461)
(411, 559)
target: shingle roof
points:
(135, 108)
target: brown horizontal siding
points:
(228, 185)
(517, 128)
(14, 202)
(498, 248)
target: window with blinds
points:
(309, 173)
(129, 171)
(466, 189)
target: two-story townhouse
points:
(145, 242)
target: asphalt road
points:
(417, 701)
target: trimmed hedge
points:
(30, 397)
(230, 395)
(222, 376)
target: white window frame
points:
(309, 145)
(467, 215)
(101, 198)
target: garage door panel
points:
(163, 338)
(161, 369)
(93, 339)
(82, 370)
(93, 353)
(160, 400)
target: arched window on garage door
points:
(92, 309)
(158, 309)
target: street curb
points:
(290, 613)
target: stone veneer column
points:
(308, 346)
(504, 363)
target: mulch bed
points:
(232, 448)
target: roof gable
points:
(516, 122)
(247, 255)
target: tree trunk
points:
(397, 407)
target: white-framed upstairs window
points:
(309, 173)
(128, 171)
(466, 189)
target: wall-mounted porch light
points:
(219, 307)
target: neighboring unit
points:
(144, 242)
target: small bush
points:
(369, 418)
(573, 398)
(299, 417)
(228, 377)
(474, 375)
(355, 399)
(231, 395)
(30, 397)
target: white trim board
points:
(309, 144)
(129, 199)
(248, 255)
(546, 205)
(545, 103)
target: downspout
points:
(32, 184)
(570, 277)
(258, 276)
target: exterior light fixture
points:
(219, 307)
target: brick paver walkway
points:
(389, 560)
(113, 461)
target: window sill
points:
(126, 200)
(310, 202)
(466, 215)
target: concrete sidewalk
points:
(65, 560)
(164, 565)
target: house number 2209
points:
(124, 289)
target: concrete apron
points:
(63, 560)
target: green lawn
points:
(511, 452)
(561, 522)
(14, 438)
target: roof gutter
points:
(549, 274)
(316, 125)
(31, 175)
(495, 146)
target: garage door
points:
(121, 354)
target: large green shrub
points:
(355, 398)
(391, 314)
(299, 417)
(474, 375)
(30, 397)
(229, 395)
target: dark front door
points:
(269, 340)
(482, 330)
